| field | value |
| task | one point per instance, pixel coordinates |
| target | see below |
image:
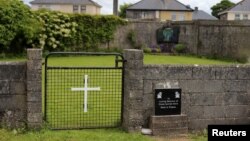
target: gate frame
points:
(117, 61)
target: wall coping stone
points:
(198, 66)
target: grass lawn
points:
(163, 59)
(76, 106)
(80, 135)
(148, 59)
(89, 135)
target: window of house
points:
(245, 17)
(83, 8)
(75, 8)
(137, 15)
(237, 16)
(144, 15)
(173, 17)
(181, 17)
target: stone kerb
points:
(34, 88)
(133, 94)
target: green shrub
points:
(180, 48)
(158, 50)
(132, 38)
(53, 31)
(18, 26)
(57, 31)
(147, 50)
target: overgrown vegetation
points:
(132, 38)
(21, 28)
(179, 48)
(123, 8)
(18, 26)
(57, 30)
(94, 30)
(221, 6)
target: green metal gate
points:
(78, 97)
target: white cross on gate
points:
(86, 89)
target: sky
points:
(205, 5)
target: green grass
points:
(148, 59)
(86, 135)
(199, 138)
(163, 59)
(80, 135)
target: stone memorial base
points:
(172, 125)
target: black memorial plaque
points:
(167, 101)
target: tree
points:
(219, 7)
(17, 26)
(123, 8)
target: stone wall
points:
(13, 94)
(34, 88)
(20, 92)
(210, 94)
(211, 38)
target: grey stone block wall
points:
(34, 88)
(13, 94)
(210, 94)
(210, 38)
(21, 92)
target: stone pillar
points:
(133, 91)
(34, 88)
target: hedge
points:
(22, 28)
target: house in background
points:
(68, 6)
(160, 10)
(202, 15)
(241, 11)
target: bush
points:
(132, 38)
(147, 50)
(57, 31)
(180, 48)
(18, 26)
(156, 49)
(53, 31)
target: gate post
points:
(133, 91)
(34, 88)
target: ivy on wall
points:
(94, 30)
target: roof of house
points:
(243, 5)
(170, 5)
(84, 2)
(202, 15)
